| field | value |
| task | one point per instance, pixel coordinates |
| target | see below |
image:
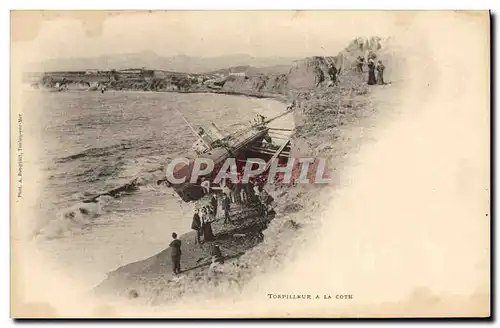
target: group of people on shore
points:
(238, 193)
(243, 193)
(202, 224)
(373, 67)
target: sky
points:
(38, 36)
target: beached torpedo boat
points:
(252, 142)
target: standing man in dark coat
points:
(332, 71)
(175, 253)
(196, 225)
(371, 72)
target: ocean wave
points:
(109, 170)
(96, 152)
(73, 220)
(140, 180)
(117, 180)
(80, 217)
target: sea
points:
(89, 143)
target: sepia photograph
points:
(250, 164)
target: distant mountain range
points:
(254, 70)
(151, 60)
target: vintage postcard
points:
(250, 164)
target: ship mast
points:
(192, 129)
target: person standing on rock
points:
(196, 226)
(264, 200)
(226, 206)
(371, 72)
(319, 76)
(226, 188)
(214, 203)
(243, 194)
(208, 234)
(227, 192)
(359, 63)
(332, 71)
(380, 73)
(175, 254)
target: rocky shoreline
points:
(243, 233)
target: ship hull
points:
(237, 149)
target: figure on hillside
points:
(265, 200)
(319, 76)
(175, 253)
(226, 189)
(206, 223)
(332, 71)
(215, 204)
(359, 64)
(371, 72)
(226, 207)
(196, 226)
(380, 72)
